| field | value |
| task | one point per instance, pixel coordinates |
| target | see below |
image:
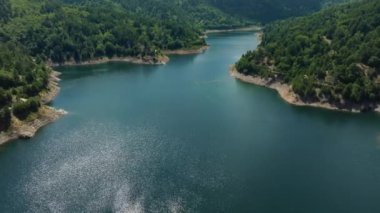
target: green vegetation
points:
(329, 3)
(5, 118)
(80, 30)
(5, 10)
(21, 81)
(22, 109)
(197, 12)
(333, 55)
(265, 11)
(218, 14)
(57, 32)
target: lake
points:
(186, 137)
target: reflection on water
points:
(99, 174)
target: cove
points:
(187, 137)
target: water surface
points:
(186, 137)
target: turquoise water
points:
(186, 137)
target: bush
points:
(6, 80)
(5, 98)
(304, 87)
(33, 89)
(5, 119)
(23, 109)
(374, 61)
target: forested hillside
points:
(197, 12)
(265, 11)
(329, 3)
(333, 55)
(58, 32)
(22, 80)
(220, 13)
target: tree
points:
(23, 109)
(5, 10)
(5, 98)
(5, 119)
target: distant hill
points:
(219, 13)
(265, 11)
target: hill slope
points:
(332, 56)
(265, 11)
(59, 32)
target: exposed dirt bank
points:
(286, 93)
(242, 29)
(186, 51)
(148, 60)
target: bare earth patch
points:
(185, 51)
(147, 60)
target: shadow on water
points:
(82, 71)
(79, 72)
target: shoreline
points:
(241, 29)
(45, 115)
(259, 36)
(148, 60)
(286, 93)
(161, 60)
(53, 88)
(200, 50)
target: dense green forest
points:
(333, 55)
(197, 12)
(60, 32)
(220, 13)
(265, 11)
(21, 79)
(5, 10)
(79, 30)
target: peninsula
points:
(329, 59)
(21, 126)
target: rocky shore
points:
(242, 29)
(45, 115)
(186, 51)
(52, 89)
(286, 93)
(27, 129)
(148, 60)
